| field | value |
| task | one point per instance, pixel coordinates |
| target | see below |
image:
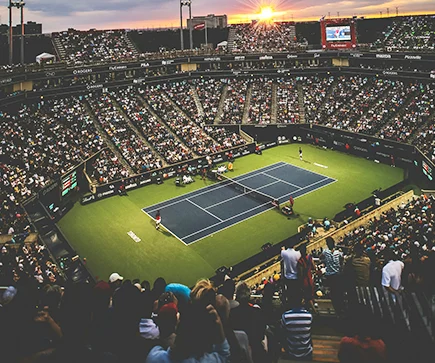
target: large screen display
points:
(427, 170)
(69, 183)
(338, 33)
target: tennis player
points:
(300, 153)
(158, 219)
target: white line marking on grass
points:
(322, 166)
(166, 229)
(204, 210)
(217, 186)
(282, 181)
(308, 186)
(134, 237)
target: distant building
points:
(30, 28)
(211, 20)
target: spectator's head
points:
(182, 293)
(358, 250)
(115, 280)
(159, 286)
(243, 292)
(51, 296)
(203, 293)
(166, 298)
(146, 285)
(228, 289)
(330, 242)
(167, 319)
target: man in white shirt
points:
(292, 288)
(392, 275)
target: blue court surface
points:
(206, 211)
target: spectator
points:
(292, 287)
(392, 274)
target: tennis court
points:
(206, 211)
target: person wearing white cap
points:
(115, 281)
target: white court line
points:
(226, 220)
(243, 220)
(184, 243)
(206, 211)
(219, 186)
(308, 186)
(283, 181)
(320, 165)
(241, 195)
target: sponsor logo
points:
(283, 70)
(338, 45)
(94, 86)
(49, 189)
(50, 74)
(282, 126)
(382, 154)
(138, 81)
(357, 55)
(406, 160)
(129, 186)
(246, 152)
(103, 194)
(167, 62)
(316, 55)
(362, 140)
(383, 56)
(212, 59)
(265, 57)
(290, 56)
(146, 181)
(239, 58)
(144, 65)
(236, 155)
(7, 80)
(338, 143)
(218, 160)
(117, 68)
(360, 149)
(82, 71)
(390, 73)
(432, 76)
(417, 57)
(283, 142)
(271, 144)
(88, 199)
(236, 72)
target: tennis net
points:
(243, 189)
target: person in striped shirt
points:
(296, 332)
(333, 260)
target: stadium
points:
(151, 173)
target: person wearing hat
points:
(115, 281)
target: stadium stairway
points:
(197, 101)
(220, 111)
(138, 132)
(106, 138)
(247, 104)
(274, 108)
(151, 111)
(131, 44)
(58, 47)
(231, 36)
(424, 127)
(301, 103)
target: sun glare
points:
(266, 13)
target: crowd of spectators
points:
(425, 141)
(106, 168)
(315, 91)
(209, 92)
(260, 106)
(29, 260)
(261, 37)
(224, 137)
(415, 116)
(234, 104)
(414, 33)
(93, 46)
(139, 155)
(287, 101)
(45, 140)
(182, 94)
(192, 135)
(155, 132)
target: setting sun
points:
(266, 13)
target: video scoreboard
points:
(69, 183)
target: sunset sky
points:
(109, 14)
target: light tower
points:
(187, 3)
(19, 5)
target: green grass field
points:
(99, 231)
